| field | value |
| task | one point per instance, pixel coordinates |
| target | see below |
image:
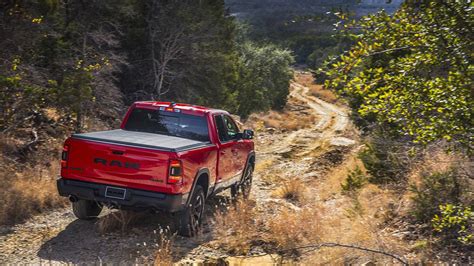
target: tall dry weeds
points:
(28, 192)
(293, 191)
(164, 253)
(119, 220)
(290, 229)
(284, 121)
(242, 227)
(316, 90)
(237, 226)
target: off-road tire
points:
(86, 209)
(245, 185)
(189, 221)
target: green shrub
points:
(386, 159)
(355, 180)
(455, 221)
(435, 189)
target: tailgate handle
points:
(117, 152)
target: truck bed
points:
(143, 140)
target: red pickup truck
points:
(165, 157)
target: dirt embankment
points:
(298, 176)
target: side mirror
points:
(247, 134)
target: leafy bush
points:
(436, 189)
(264, 78)
(385, 158)
(455, 221)
(355, 180)
(410, 70)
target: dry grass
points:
(163, 256)
(123, 221)
(285, 121)
(316, 90)
(326, 95)
(436, 160)
(242, 227)
(293, 191)
(263, 165)
(29, 169)
(27, 193)
(290, 229)
(273, 176)
(337, 175)
(120, 220)
(237, 227)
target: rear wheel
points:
(86, 209)
(245, 185)
(189, 221)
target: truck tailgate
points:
(114, 164)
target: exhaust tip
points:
(73, 198)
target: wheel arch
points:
(250, 161)
(202, 178)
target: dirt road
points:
(310, 152)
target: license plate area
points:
(115, 193)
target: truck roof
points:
(182, 106)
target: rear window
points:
(168, 123)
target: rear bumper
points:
(134, 198)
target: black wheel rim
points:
(196, 213)
(247, 184)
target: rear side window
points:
(168, 123)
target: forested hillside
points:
(304, 26)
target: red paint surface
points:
(223, 160)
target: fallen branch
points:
(34, 141)
(27, 147)
(313, 247)
(329, 245)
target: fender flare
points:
(196, 178)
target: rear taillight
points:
(64, 156)
(175, 175)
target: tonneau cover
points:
(142, 139)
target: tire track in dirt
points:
(331, 120)
(303, 145)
